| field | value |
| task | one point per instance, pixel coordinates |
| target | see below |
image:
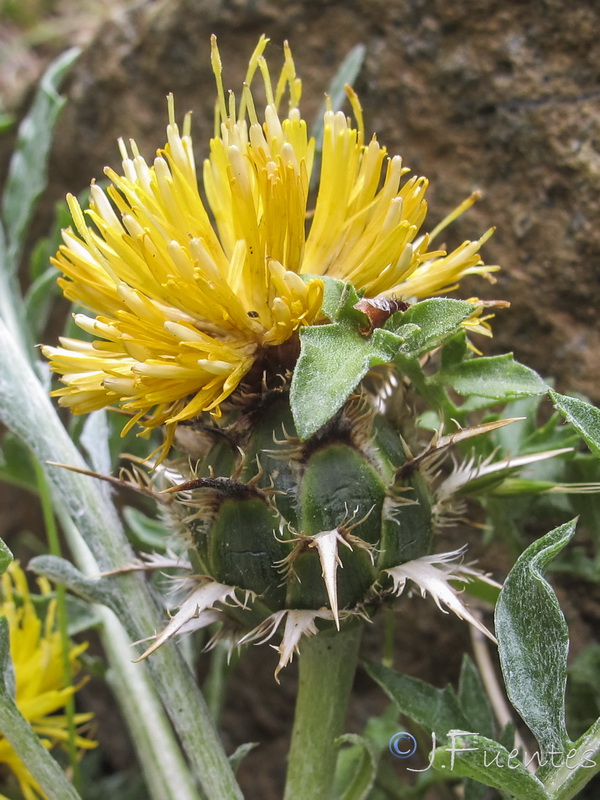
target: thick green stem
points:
(327, 666)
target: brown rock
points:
(501, 97)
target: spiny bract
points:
(300, 512)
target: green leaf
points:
(438, 320)
(240, 753)
(472, 756)
(333, 360)
(480, 588)
(16, 464)
(346, 74)
(356, 768)
(46, 247)
(583, 707)
(339, 299)
(565, 778)
(474, 791)
(496, 377)
(145, 533)
(92, 590)
(586, 469)
(437, 710)
(39, 300)
(456, 350)
(5, 557)
(582, 416)
(81, 615)
(27, 171)
(94, 439)
(533, 641)
(516, 486)
(474, 700)
(6, 122)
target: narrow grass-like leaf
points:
(27, 171)
(533, 642)
(346, 74)
(240, 753)
(584, 417)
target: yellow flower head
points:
(40, 689)
(187, 294)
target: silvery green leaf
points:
(27, 171)
(584, 417)
(474, 700)
(469, 755)
(533, 641)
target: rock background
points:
(502, 97)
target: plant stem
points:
(61, 607)
(163, 765)
(27, 411)
(327, 666)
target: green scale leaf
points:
(339, 488)
(244, 550)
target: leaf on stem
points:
(584, 417)
(533, 642)
(497, 377)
